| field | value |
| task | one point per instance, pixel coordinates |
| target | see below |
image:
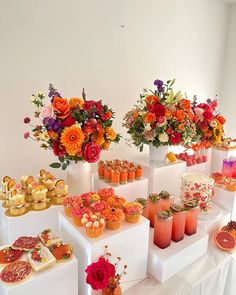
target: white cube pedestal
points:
(213, 221)
(199, 168)
(165, 263)
(60, 279)
(130, 190)
(28, 224)
(217, 158)
(130, 242)
(226, 200)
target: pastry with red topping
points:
(25, 243)
(16, 272)
(8, 255)
(41, 258)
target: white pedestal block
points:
(217, 158)
(28, 224)
(226, 200)
(130, 242)
(213, 221)
(165, 263)
(130, 190)
(60, 279)
(199, 168)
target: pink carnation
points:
(99, 206)
(47, 112)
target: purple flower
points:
(53, 92)
(52, 124)
(158, 83)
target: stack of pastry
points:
(60, 191)
(39, 197)
(17, 204)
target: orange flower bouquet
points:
(161, 118)
(75, 129)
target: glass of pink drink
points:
(153, 207)
(163, 229)
(191, 217)
(179, 218)
(143, 202)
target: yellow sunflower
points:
(110, 133)
(72, 138)
(217, 133)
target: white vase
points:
(158, 154)
(79, 178)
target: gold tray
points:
(7, 212)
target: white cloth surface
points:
(213, 274)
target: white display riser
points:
(130, 190)
(165, 263)
(226, 200)
(217, 158)
(203, 168)
(60, 279)
(162, 175)
(28, 224)
(130, 242)
(212, 222)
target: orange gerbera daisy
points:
(72, 138)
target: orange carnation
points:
(74, 102)
(61, 106)
(110, 133)
(53, 135)
(149, 118)
(135, 115)
(152, 99)
(179, 114)
(221, 119)
(181, 127)
(72, 138)
(185, 104)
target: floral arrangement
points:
(75, 130)
(161, 117)
(103, 275)
(133, 208)
(208, 121)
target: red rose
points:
(69, 121)
(99, 273)
(159, 110)
(93, 107)
(161, 119)
(91, 152)
(150, 107)
(58, 149)
(175, 137)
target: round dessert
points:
(78, 213)
(39, 197)
(113, 218)
(17, 205)
(132, 212)
(16, 272)
(94, 224)
(25, 243)
(8, 255)
(116, 202)
(61, 188)
(198, 187)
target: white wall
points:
(228, 93)
(112, 48)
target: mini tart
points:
(24, 180)
(31, 186)
(61, 188)
(62, 252)
(8, 255)
(49, 183)
(49, 237)
(16, 272)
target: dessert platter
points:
(119, 172)
(30, 254)
(97, 211)
(32, 195)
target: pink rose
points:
(47, 112)
(199, 113)
(91, 152)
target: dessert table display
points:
(30, 205)
(29, 265)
